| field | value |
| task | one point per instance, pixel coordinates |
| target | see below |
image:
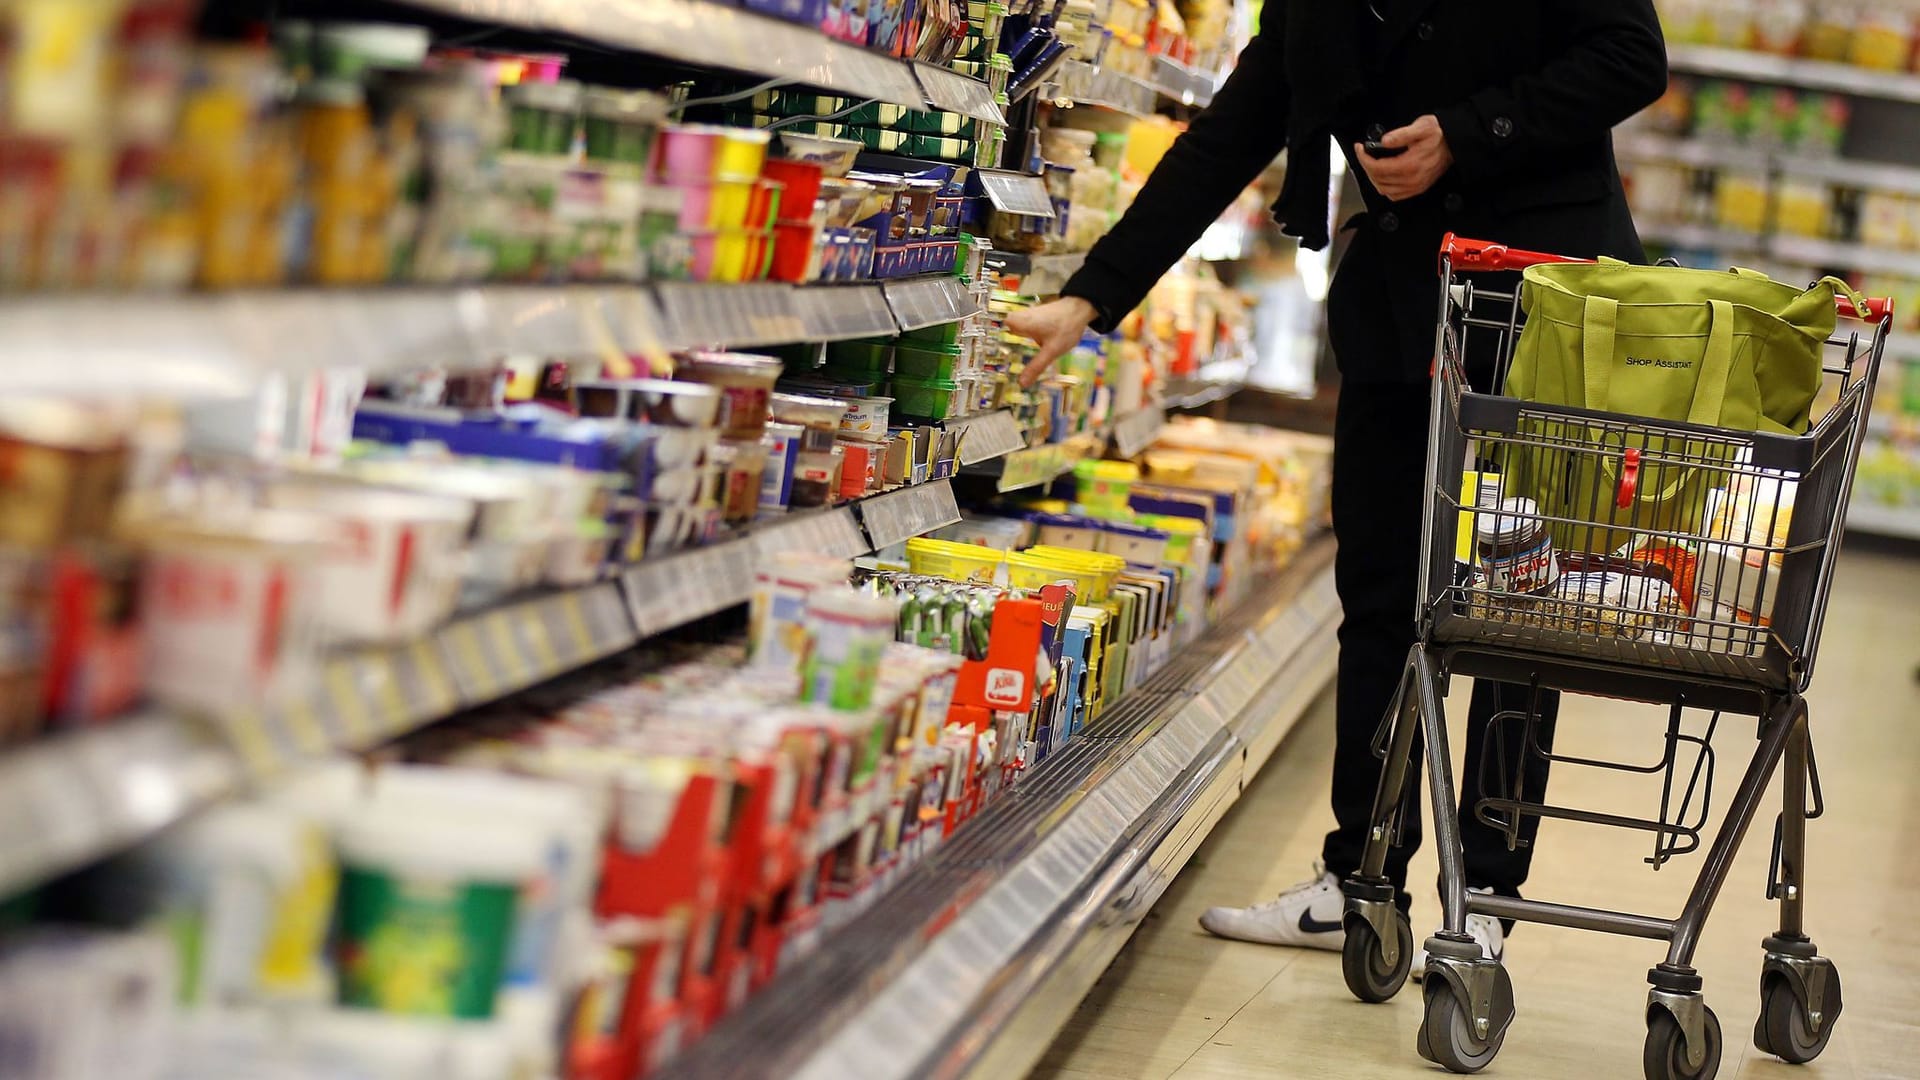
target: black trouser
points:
(1379, 473)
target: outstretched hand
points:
(1055, 327)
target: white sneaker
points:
(1307, 915)
(1486, 930)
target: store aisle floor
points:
(1180, 1003)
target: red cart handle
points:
(1483, 256)
(1629, 479)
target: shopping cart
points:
(1709, 596)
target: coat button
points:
(1389, 221)
(1453, 202)
(1502, 127)
(1424, 31)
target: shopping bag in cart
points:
(1733, 350)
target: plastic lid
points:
(495, 848)
(624, 104)
(560, 95)
(1514, 518)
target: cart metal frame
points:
(1604, 643)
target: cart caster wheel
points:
(1785, 1030)
(1369, 976)
(1447, 1037)
(1666, 1053)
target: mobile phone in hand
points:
(1375, 148)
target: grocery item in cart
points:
(1516, 553)
(1628, 602)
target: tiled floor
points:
(1179, 1003)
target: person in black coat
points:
(1496, 116)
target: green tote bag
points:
(1733, 350)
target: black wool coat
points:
(1526, 91)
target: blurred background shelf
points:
(1790, 71)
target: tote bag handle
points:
(1716, 366)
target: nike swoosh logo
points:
(1311, 925)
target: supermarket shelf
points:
(929, 301)
(1040, 275)
(364, 697)
(1186, 85)
(711, 34)
(1195, 393)
(1828, 253)
(71, 799)
(1016, 193)
(1675, 150)
(1878, 519)
(1903, 346)
(1038, 465)
(987, 436)
(1136, 431)
(1853, 173)
(74, 799)
(983, 950)
(1702, 238)
(1082, 83)
(1846, 172)
(1809, 74)
(901, 515)
(217, 344)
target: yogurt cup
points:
(866, 415)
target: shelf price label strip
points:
(907, 513)
(950, 91)
(667, 592)
(759, 313)
(988, 436)
(707, 34)
(1037, 465)
(76, 796)
(1136, 431)
(929, 302)
(833, 532)
(838, 312)
(1016, 193)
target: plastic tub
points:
(819, 415)
(741, 153)
(744, 380)
(834, 156)
(1095, 570)
(1032, 572)
(730, 255)
(869, 358)
(934, 399)
(730, 203)
(1066, 531)
(1136, 544)
(915, 360)
(400, 870)
(802, 180)
(689, 152)
(866, 415)
(794, 253)
(763, 204)
(953, 561)
(660, 401)
(621, 125)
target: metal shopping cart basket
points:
(1715, 604)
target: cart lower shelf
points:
(980, 955)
